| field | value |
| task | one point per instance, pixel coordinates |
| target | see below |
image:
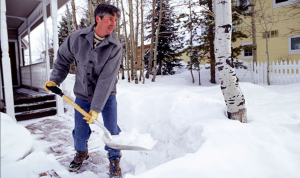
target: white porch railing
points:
(37, 77)
(281, 73)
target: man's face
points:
(106, 25)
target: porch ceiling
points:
(17, 10)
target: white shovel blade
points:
(125, 147)
(127, 141)
(122, 142)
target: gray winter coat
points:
(97, 69)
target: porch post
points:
(20, 48)
(6, 66)
(53, 7)
(46, 40)
(30, 57)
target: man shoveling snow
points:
(97, 53)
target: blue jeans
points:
(82, 131)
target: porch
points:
(21, 77)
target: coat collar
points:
(89, 35)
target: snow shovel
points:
(107, 138)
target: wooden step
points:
(34, 99)
(26, 115)
(35, 106)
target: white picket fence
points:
(281, 73)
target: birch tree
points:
(152, 40)
(233, 96)
(191, 40)
(126, 41)
(156, 40)
(133, 46)
(74, 14)
(142, 44)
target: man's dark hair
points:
(104, 9)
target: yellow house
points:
(281, 17)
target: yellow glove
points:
(94, 115)
(49, 84)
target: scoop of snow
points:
(135, 139)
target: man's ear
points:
(98, 19)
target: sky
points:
(194, 136)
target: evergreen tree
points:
(169, 42)
(63, 31)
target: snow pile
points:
(30, 167)
(267, 146)
(16, 141)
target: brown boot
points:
(114, 168)
(78, 160)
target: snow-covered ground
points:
(195, 138)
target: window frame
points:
(243, 52)
(290, 45)
(288, 2)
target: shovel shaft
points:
(83, 112)
(58, 91)
(78, 108)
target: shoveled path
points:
(55, 136)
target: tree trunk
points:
(119, 38)
(72, 69)
(91, 12)
(74, 15)
(199, 73)
(119, 27)
(126, 42)
(136, 41)
(133, 46)
(267, 43)
(233, 96)
(152, 41)
(156, 40)
(142, 43)
(253, 34)
(191, 42)
(68, 20)
(159, 68)
(212, 54)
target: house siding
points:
(278, 46)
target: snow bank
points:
(195, 138)
(16, 140)
(267, 146)
(30, 167)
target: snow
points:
(14, 139)
(134, 138)
(195, 138)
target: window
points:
(270, 34)
(294, 44)
(279, 3)
(247, 52)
